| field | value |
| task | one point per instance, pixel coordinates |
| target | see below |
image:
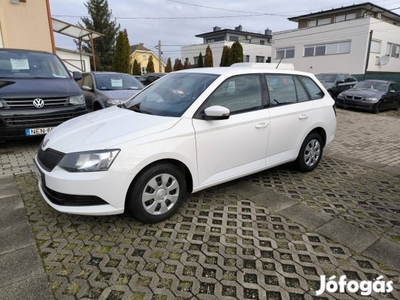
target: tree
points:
(168, 67)
(150, 65)
(187, 64)
(136, 69)
(121, 59)
(208, 58)
(178, 65)
(200, 61)
(225, 58)
(100, 21)
(236, 53)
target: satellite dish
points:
(383, 60)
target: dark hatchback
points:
(371, 95)
(37, 93)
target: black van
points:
(37, 93)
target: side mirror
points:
(392, 91)
(216, 112)
(76, 75)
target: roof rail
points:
(286, 66)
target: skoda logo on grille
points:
(38, 103)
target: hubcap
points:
(160, 194)
(312, 152)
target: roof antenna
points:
(279, 63)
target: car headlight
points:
(340, 96)
(90, 161)
(1, 104)
(114, 102)
(372, 99)
(76, 100)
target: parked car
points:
(105, 89)
(37, 93)
(150, 78)
(191, 130)
(371, 95)
(336, 83)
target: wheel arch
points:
(179, 164)
(321, 132)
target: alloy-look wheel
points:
(310, 153)
(157, 193)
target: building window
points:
(233, 38)
(393, 50)
(195, 60)
(324, 21)
(144, 57)
(327, 49)
(246, 58)
(262, 42)
(312, 23)
(345, 17)
(260, 59)
(284, 53)
(375, 46)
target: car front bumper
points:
(364, 105)
(91, 193)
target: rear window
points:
(23, 64)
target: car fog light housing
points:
(91, 161)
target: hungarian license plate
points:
(37, 131)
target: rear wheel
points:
(157, 193)
(310, 153)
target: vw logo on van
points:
(38, 103)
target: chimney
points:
(238, 28)
(216, 28)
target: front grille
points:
(32, 120)
(71, 200)
(24, 103)
(49, 158)
(352, 97)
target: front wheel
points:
(157, 193)
(310, 153)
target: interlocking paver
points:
(241, 240)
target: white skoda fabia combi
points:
(188, 131)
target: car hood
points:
(38, 87)
(364, 93)
(120, 94)
(104, 129)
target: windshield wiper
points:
(137, 109)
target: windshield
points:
(117, 81)
(25, 64)
(171, 95)
(326, 77)
(372, 85)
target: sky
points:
(176, 22)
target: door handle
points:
(261, 125)
(303, 117)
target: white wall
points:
(252, 50)
(72, 60)
(357, 31)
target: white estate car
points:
(188, 131)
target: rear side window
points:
(288, 89)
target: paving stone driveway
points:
(266, 236)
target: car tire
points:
(157, 193)
(310, 153)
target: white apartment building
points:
(256, 46)
(362, 39)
